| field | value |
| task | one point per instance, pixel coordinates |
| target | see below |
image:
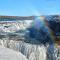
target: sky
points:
(29, 7)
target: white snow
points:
(8, 54)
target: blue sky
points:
(29, 7)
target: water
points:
(37, 36)
(31, 51)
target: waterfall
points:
(31, 51)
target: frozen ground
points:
(8, 54)
(30, 51)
